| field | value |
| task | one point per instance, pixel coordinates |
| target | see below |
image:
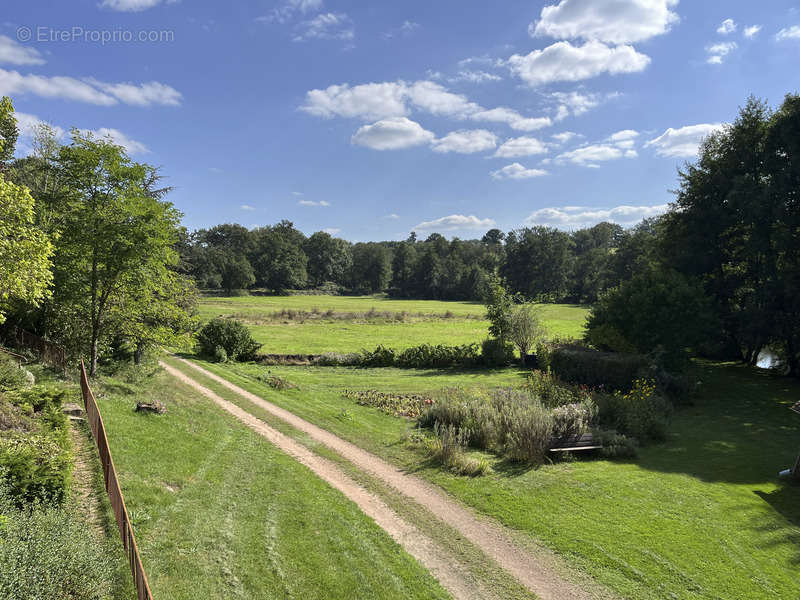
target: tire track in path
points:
(488, 536)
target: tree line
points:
(542, 263)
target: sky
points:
(370, 120)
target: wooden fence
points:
(51, 354)
(113, 490)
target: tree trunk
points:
(93, 361)
(138, 353)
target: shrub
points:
(11, 376)
(232, 336)
(50, 553)
(220, 355)
(573, 419)
(615, 445)
(496, 352)
(528, 428)
(428, 356)
(380, 357)
(640, 413)
(609, 370)
(335, 359)
(552, 392)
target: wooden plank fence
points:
(51, 354)
(113, 489)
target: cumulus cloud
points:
(517, 171)
(89, 90)
(392, 134)
(521, 146)
(284, 13)
(612, 21)
(564, 136)
(589, 156)
(752, 31)
(575, 217)
(624, 135)
(374, 101)
(788, 33)
(683, 142)
(28, 125)
(455, 223)
(14, 53)
(577, 103)
(512, 118)
(564, 62)
(313, 203)
(326, 26)
(466, 141)
(718, 52)
(726, 27)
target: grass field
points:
(220, 513)
(424, 323)
(701, 516)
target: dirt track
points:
(490, 537)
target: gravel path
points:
(489, 536)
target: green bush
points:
(50, 553)
(11, 376)
(338, 359)
(605, 370)
(36, 455)
(220, 355)
(641, 413)
(380, 357)
(528, 428)
(497, 353)
(231, 335)
(552, 392)
(428, 356)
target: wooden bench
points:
(574, 443)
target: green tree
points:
(114, 225)
(538, 262)
(8, 129)
(329, 258)
(499, 306)
(526, 328)
(235, 271)
(372, 267)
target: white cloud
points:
(613, 21)
(475, 77)
(717, 52)
(788, 33)
(435, 99)
(368, 101)
(89, 90)
(406, 28)
(466, 141)
(132, 5)
(455, 223)
(326, 26)
(375, 101)
(28, 125)
(752, 31)
(331, 230)
(247, 207)
(143, 94)
(393, 216)
(574, 217)
(726, 27)
(624, 135)
(521, 146)
(120, 139)
(564, 62)
(512, 118)
(313, 203)
(16, 54)
(564, 136)
(288, 10)
(517, 171)
(392, 134)
(578, 103)
(683, 142)
(589, 156)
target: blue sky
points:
(372, 119)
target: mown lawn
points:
(700, 516)
(317, 335)
(220, 513)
